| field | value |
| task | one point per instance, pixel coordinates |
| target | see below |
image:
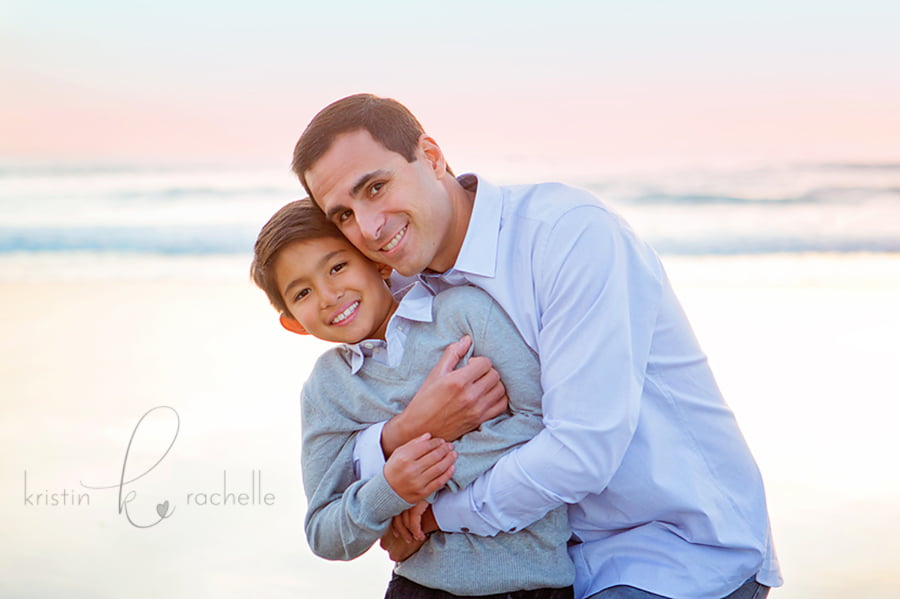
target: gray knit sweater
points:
(346, 516)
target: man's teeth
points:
(395, 240)
(343, 315)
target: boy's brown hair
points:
(389, 122)
(300, 220)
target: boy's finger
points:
(440, 467)
(434, 456)
(438, 483)
(418, 447)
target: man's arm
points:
(471, 310)
(599, 293)
(451, 402)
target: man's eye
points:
(345, 216)
(375, 188)
(338, 267)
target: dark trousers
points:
(403, 588)
(749, 590)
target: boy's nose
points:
(330, 295)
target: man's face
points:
(396, 212)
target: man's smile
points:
(395, 239)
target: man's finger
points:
(453, 353)
(497, 407)
(477, 367)
(402, 530)
(415, 520)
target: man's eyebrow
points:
(321, 263)
(363, 180)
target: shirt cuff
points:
(455, 512)
(368, 457)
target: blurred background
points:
(143, 144)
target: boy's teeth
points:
(345, 313)
(396, 239)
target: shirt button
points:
(464, 529)
(513, 529)
(367, 345)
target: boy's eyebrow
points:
(321, 263)
(361, 182)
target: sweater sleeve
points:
(494, 335)
(345, 516)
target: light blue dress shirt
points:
(664, 494)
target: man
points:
(665, 497)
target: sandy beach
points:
(803, 346)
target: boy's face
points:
(394, 211)
(333, 291)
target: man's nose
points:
(371, 222)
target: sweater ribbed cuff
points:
(381, 501)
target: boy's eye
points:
(338, 267)
(301, 294)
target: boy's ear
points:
(384, 270)
(292, 325)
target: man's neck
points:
(462, 201)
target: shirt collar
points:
(478, 254)
(415, 305)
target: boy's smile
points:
(333, 291)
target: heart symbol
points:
(162, 508)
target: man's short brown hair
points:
(389, 122)
(300, 220)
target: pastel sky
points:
(565, 83)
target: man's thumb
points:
(454, 352)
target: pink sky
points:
(581, 85)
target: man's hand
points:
(419, 468)
(414, 523)
(451, 402)
(397, 548)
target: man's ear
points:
(384, 270)
(292, 325)
(433, 154)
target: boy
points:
(323, 286)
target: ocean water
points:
(49, 212)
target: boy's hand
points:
(414, 523)
(419, 468)
(451, 401)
